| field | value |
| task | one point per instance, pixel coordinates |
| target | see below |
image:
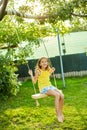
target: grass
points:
(20, 112)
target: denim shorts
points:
(45, 89)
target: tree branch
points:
(13, 12)
(1, 1)
(79, 15)
(6, 47)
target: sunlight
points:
(18, 3)
(67, 23)
(37, 7)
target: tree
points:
(61, 9)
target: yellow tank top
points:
(44, 79)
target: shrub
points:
(8, 79)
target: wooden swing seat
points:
(39, 95)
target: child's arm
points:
(51, 70)
(34, 78)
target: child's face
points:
(44, 63)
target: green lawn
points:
(20, 112)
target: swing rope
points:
(36, 95)
(37, 102)
(32, 82)
(50, 64)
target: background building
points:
(74, 60)
(74, 43)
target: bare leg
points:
(61, 102)
(58, 104)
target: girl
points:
(42, 75)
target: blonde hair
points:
(39, 61)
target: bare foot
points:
(63, 117)
(60, 118)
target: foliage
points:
(20, 38)
(8, 79)
(21, 113)
(56, 10)
(52, 10)
(78, 25)
(14, 30)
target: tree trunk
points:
(3, 4)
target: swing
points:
(36, 95)
(40, 95)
